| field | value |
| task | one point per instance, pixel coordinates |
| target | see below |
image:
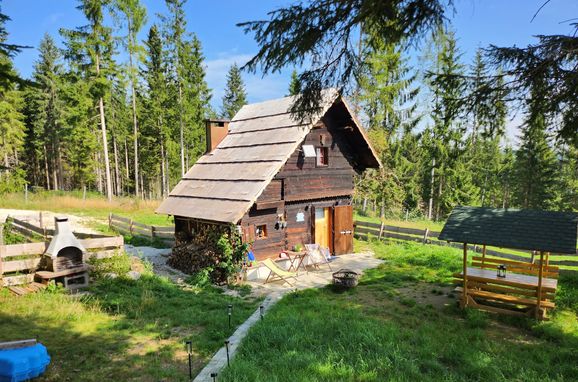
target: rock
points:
(133, 275)
(111, 275)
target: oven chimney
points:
(217, 130)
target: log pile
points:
(197, 249)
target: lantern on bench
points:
(501, 270)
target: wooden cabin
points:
(280, 181)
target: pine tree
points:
(134, 15)
(294, 84)
(175, 32)
(536, 163)
(12, 129)
(235, 95)
(388, 99)
(447, 140)
(91, 46)
(44, 110)
(158, 132)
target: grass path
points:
(376, 333)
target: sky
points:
(477, 23)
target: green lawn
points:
(126, 330)
(376, 333)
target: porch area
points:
(313, 277)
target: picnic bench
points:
(523, 291)
(528, 285)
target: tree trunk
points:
(104, 139)
(126, 162)
(46, 172)
(116, 172)
(182, 138)
(98, 174)
(431, 193)
(135, 128)
(163, 175)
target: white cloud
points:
(258, 88)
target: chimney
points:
(216, 130)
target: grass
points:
(95, 205)
(437, 226)
(125, 330)
(377, 333)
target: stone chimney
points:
(216, 130)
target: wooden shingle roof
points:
(223, 184)
(546, 231)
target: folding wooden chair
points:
(276, 273)
(316, 257)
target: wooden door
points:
(322, 226)
(342, 230)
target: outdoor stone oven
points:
(63, 261)
(65, 250)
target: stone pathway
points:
(158, 258)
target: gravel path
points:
(78, 223)
(158, 258)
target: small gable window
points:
(322, 154)
(261, 231)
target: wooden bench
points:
(519, 293)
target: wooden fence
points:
(367, 230)
(17, 259)
(166, 234)
(33, 232)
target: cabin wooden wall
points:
(304, 180)
(275, 240)
(300, 187)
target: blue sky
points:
(477, 23)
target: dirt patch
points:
(426, 294)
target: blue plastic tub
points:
(23, 363)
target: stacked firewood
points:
(197, 250)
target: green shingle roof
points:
(546, 231)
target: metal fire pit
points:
(345, 278)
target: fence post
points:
(110, 220)
(152, 231)
(1, 240)
(425, 235)
(381, 230)
(130, 227)
(2, 250)
(40, 220)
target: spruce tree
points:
(536, 163)
(133, 14)
(44, 109)
(235, 95)
(157, 133)
(294, 84)
(447, 142)
(12, 128)
(91, 48)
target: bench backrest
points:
(516, 266)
